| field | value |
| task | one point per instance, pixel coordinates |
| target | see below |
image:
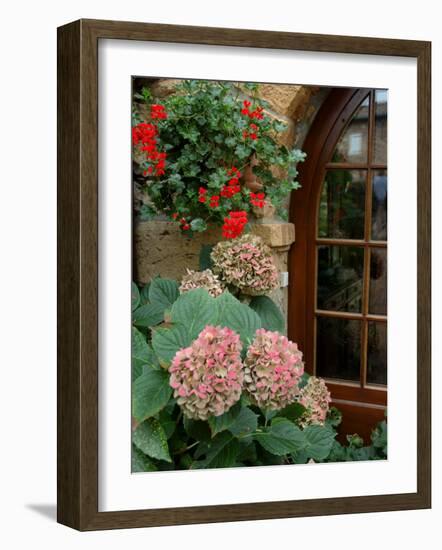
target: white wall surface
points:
(28, 276)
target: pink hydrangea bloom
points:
(272, 370)
(201, 279)
(207, 376)
(315, 397)
(247, 263)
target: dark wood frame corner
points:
(77, 430)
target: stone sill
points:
(278, 235)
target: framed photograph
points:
(243, 275)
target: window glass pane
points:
(379, 206)
(341, 207)
(380, 133)
(377, 353)
(338, 348)
(340, 271)
(352, 145)
(378, 281)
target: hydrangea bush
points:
(247, 264)
(207, 376)
(316, 399)
(215, 384)
(201, 279)
(272, 370)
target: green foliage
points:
(223, 422)
(148, 315)
(244, 435)
(205, 258)
(150, 438)
(237, 316)
(143, 355)
(167, 341)
(281, 437)
(319, 441)
(135, 297)
(205, 134)
(150, 393)
(270, 314)
(141, 462)
(194, 310)
(163, 292)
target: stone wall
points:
(160, 248)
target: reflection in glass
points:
(352, 145)
(340, 270)
(380, 133)
(378, 281)
(379, 206)
(341, 207)
(338, 348)
(377, 353)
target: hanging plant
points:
(207, 154)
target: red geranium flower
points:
(157, 111)
(234, 224)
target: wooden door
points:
(338, 264)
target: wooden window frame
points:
(329, 125)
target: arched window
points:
(338, 264)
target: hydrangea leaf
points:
(167, 422)
(195, 310)
(148, 315)
(142, 354)
(245, 423)
(163, 292)
(141, 462)
(167, 341)
(237, 316)
(281, 438)
(319, 441)
(151, 439)
(220, 452)
(269, 313)
(197, 429)
(292, 412)
(150, 393)
(224, 421)
(205, 259)
(135, 296)
(144, 294)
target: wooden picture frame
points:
(78, 274)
